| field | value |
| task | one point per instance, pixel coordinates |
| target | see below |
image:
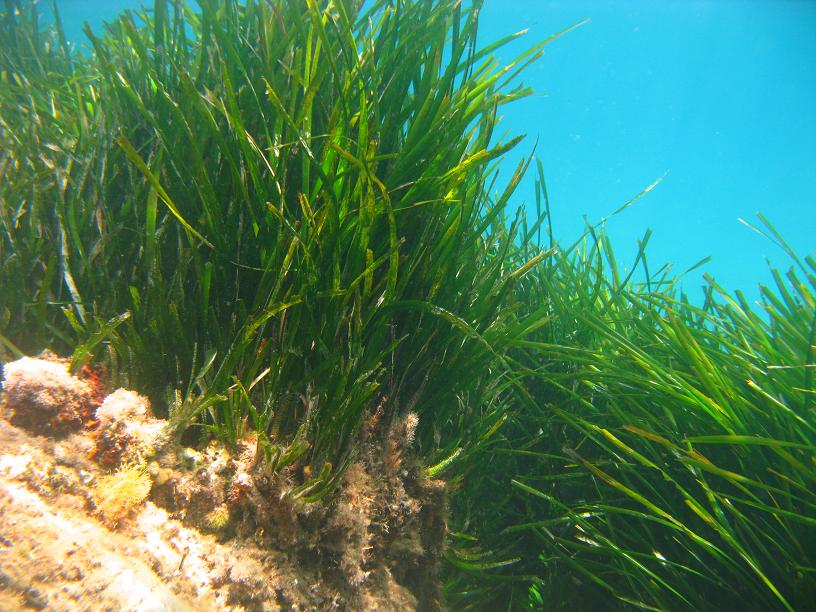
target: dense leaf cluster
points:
(280, 217)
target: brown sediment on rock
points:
(384, 529)
(203, 529)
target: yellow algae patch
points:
(120, 492)
(218, 518)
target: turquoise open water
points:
(717, 95)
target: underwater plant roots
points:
(204, 529)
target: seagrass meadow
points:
(284, 219)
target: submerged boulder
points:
(44, 398)
(127, 430)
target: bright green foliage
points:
(282, 216)
(279, 207)
(668, 456)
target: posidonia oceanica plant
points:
(666, 460)
(281, 215)
(284, 217)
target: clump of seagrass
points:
(44, 398)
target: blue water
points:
(717, 95)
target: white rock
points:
(42, 384)
(124, 405)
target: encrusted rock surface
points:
(44, 397)
(175, 528)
